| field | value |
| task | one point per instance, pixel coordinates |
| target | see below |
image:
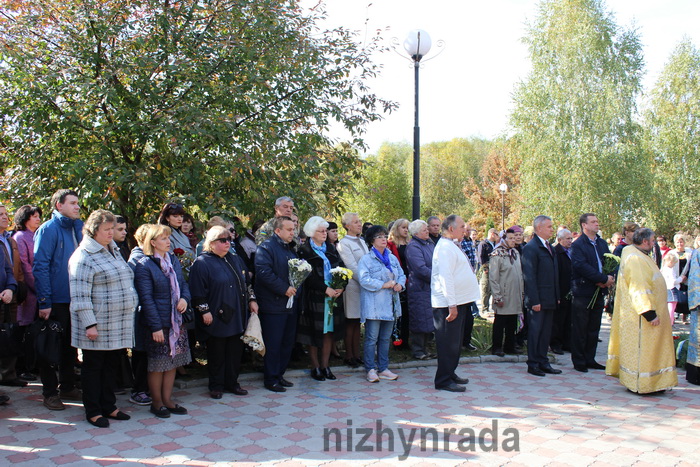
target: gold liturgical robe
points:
(640, 354)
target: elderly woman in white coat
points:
(351, 249)
(381, 278)
(103, 300)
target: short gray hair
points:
(432, 218)
(415, 226)
(539, 220)
(450, 221)
(282, 199)
(313, 224)
(563, 233)
(347, 217)
(642, 234)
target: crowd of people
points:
(412, 283)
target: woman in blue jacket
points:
(381, 279)
(164, 296)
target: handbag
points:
(188, 315)
(48, 335)
(682, 295)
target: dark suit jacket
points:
(584, 266)
(541, 275)
(564, 264)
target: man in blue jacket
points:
(587, 257)
(54, 243)
(272, 290)
(541, 277)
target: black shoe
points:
(459, 380)
(551, 371)
(4, 399)
(162, 412)
(580, 368)
(359, 361)
(18, 383)
(328, 374)
(453, 388)
(238, 390)
(470, 347)
(286, 384)
(351, 362)
(318, 375)
(118, 416)
(27, 376)
(558, 351)
(515, 352)
(99, 422)
(535, 371)
(275, 387)
(216, 394)
(177, 410)
(498, 353)
(596, 366)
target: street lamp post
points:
(503, 188)
(417, 44)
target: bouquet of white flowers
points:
(299, 270)
(339, 280)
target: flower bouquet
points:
(299, 270)
(339, 280)
(610, 265)
(186, 260)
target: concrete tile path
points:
(569, 419)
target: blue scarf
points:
(383, 257)
(321, 251)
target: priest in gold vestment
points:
(641, 350)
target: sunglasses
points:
(223, 240)
(231, 229)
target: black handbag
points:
(188, 315)
(47, 336)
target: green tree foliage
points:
(385, 191)
(574, 116)
(444, 166)
(223, 104)
(673, 138)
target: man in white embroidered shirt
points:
(453, 289)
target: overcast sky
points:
(466, 90)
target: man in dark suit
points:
(587, 257)
(541, 278)
(561, 328)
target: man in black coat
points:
(561, 328)
(272, 291)
(587, 257)
(541, 277)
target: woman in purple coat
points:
(419, 259)
(27, 220)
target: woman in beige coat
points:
(506, 281)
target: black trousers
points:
(66, 373)
(224, 361)
(561, 327)
(504, 326)
(279, 331)
(448, 340)
(97, 377)
(585, 327)
(539, 332)
(139, 367)
(468, 326)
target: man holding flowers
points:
(273, 290)
(590, 284)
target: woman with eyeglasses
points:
(163, 296)
(222, 297)
(381, 279)
(173, 216)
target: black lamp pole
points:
(416, 145)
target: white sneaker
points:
(372, 376)
(387, 374)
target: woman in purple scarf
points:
(163, 295)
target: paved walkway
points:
(568, 419)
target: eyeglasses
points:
(223, 240)
(231, 229)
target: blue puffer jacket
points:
(376, 302)
(53, 246)
(153, 288)
(419, 256)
